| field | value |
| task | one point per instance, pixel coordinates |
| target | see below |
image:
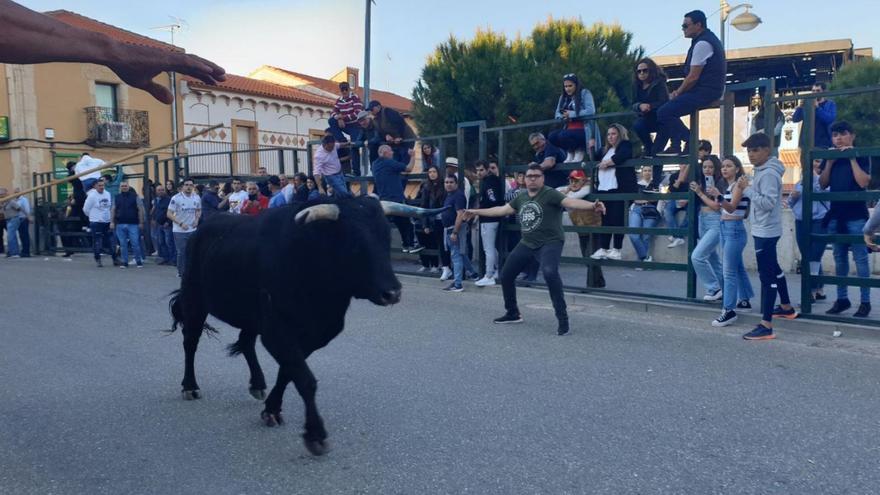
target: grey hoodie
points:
(766, 195)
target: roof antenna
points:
(178, 24)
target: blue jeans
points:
(167, 251)
(458, 251)
(12, 236)
(669, 124)
(841, 257)
(102, 239)
(180, 240)
(641, 242)
(88, 184)
(772, 277)
(670, 214)
(568, 139)
(353, 130)
(337, 182)
(129, 232)
(816, 250)
(705, 257)
(737, 286)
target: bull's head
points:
(367, 243)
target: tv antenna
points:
(178, 24)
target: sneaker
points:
(453, 288)
(713, 296)
(569, 157)
(600, 254)
(613, 254)
(670, 238)
(404, 249)
(422, 269)
(140, 264)
(446, 275)
(675, 243)
(744, 305)
(789, 314)
(123, 265)
(416, 249)
(820, 297)
(434, 269)
(562, 329)
(98, 262)
(727, 317)
(863, 311)
(578, 156)
(474, 276)
(839, 306)
(509, 318)
(760, 333)
(485, 282)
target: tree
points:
(860, 110)
(505, 81)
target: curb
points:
(693, 311)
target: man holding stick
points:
(539, 213)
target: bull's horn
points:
(317, 212)
(402, 210)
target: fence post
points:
(770, 114)
(727, 117)
(280, 161)
(692, 203)
(34, 212)
(806, 234)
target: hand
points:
(184, 226)
(673, 95)
(794, 195)
(411, 152)
(869, 241)
(340, 120)
(599, 206)
(644, 107)
(571, 114)
(427, 231)
(742, 183)
(843, 148)
(453, 237)
(112, 225)
(694, 187)
(714, 192)
(398, 140)
(468, 214)
(389, 138)
(138, 65)
(592, 143)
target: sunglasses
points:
(569, 75)
(685, 26)
(641, 71)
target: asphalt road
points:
(425, 397)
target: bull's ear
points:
(317, 212)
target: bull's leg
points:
(192, 331)
(271, 414)
(247, 345)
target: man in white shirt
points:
(184, 212)
(86, 162)
(235, 199)
(326, 165)
(97, 207)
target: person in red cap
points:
(578, 188)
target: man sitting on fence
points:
(343, 120)
(328, 167)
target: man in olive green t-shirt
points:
(540, 218)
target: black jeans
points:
(589, 243)
(102, 239)
(614, 217)
(518, 259)
(772, 277)
(429, 241)
(405, 226)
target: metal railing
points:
(117, 128)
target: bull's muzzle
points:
(402, 210)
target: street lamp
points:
(743, 22)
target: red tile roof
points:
(87, 23)
(241, 84)
(387, 99)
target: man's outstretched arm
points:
(29, 37)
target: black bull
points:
(287, 275)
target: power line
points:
(673, 40)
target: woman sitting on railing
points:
(429, 231)
(577, 135)
(644, 213)
(735, 208)
(707, 263)
(612, 178)
(649, 88)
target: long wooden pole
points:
(111, 164)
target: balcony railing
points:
(118, 128)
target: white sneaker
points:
(578, 156)
(613, 254)
(670, 238)
(447, 274)
(422, 269)
(675, 243)
(600, 254)
(434, 269)
(485, 282)
(569, 157)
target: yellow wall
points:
(59, 95)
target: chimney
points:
(350, 75)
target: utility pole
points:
(367, 54)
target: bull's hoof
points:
(272, 419)
(191, 394)
(258, 393)
(317, 447)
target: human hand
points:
(681, 203)
(869, 241)
(571, 114)
(389, 138)
(427, 231)
(742, 183)
(411, 152)
(713, 191)
(139, 65)
(644, 107)
(453, 237)
(673, 95)
(694, 187)
(112, 225)
(599, 207)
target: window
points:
(105, 98)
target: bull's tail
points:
(177, 316)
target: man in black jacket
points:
(393, 130)
(127, 218)
(491, 195)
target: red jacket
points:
(255, 207)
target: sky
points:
(321, 37)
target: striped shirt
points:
(742, 209)
(347, 108)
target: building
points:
(272, 108)
(57, 111)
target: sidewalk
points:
(674, 284)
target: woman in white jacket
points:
(577, 135)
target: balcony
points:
(117, 128)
